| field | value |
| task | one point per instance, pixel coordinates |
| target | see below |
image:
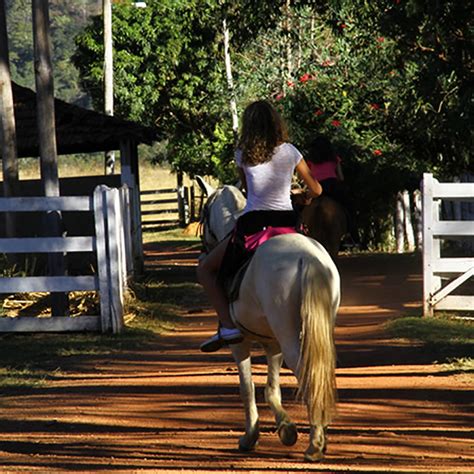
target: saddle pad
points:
(251, 243)
(254, 240)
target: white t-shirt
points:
(269, 183)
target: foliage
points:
(443, 335)
(66, 20)
(393, 106)
(168, 74)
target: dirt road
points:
(176, 409)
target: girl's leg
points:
(207, 271)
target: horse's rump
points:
(326, 221)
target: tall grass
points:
(151, 176)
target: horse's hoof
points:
(288, 433)
(246, 444)
(312, 456)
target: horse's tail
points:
(317, 362)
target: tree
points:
(67, 19)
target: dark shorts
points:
(236, 253)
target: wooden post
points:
(192, 203)
(102, 263)
(130, 177)
(230, 81)
(7, 125)
(431, 245)
(408, 227)
(47, 138)
(108, 77)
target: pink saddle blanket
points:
(254, 240)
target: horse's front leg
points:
(241, 353)
(285, 427)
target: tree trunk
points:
(108, 77)
(7, 129)
(418, 219)
(410, 236)
(230, 81)
(399, 224)
(287, 33)
(47, 138)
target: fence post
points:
(102, 264)
(127, 227)
(115, 258)
(431, 245)
(192, 203)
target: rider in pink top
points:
(326, 169)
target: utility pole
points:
(108, 76)
(230, 81)
(45, 119)
(7, 124)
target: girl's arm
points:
(242, 177)
(314, 187)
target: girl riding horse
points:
(266, 163)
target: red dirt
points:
(176, 409)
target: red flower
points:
(306, 77)
(380, 39)
(375, 106)
(342, 26)
(377, 152)
(319, 112)
(335, 123)
(279, 96)
(290, 83)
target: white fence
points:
(438, 269)
(111, 244)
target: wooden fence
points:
(442, 275)
(167, 208)
(111, 244)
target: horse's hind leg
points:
(241, 353)
(285, 427)
(317, 443)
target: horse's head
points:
(220, 213)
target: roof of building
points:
(78, 130)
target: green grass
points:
(448, 338)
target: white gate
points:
(435, 267)
(111, 243)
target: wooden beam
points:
(7, 123)
(47, 137)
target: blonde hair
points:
(262, 130)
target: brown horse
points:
(326, 222)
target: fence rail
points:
(111, 244)
(438, 269)
(169, 211)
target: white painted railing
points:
(435, 267)
(111, 243)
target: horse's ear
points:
(206, 188)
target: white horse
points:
(287, 302)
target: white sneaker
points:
(223, 337)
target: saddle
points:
(239, 255)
